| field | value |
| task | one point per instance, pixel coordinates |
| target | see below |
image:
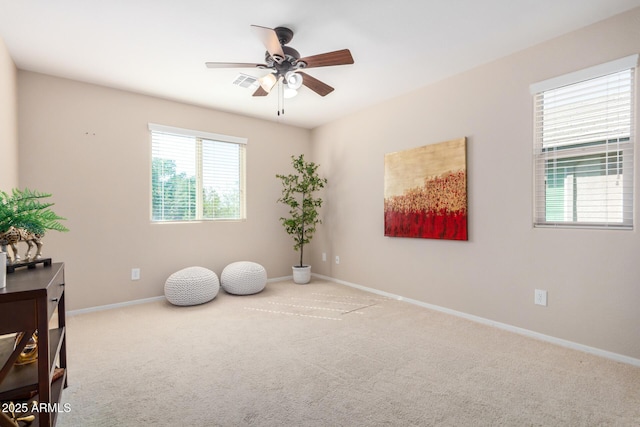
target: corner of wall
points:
(8, 120)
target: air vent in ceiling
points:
(246, 81)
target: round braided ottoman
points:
(243, 278)
(191, 286)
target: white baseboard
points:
(521, 331)
(280, 279)
(144, 301)
(116, 305)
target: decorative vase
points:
(302, 275)
(3, 269)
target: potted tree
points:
(298, 194)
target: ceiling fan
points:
(286, 64)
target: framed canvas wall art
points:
(425, 191)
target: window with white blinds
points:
(584, 147)
(196, 176)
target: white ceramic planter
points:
(3, 268)
(302, 275)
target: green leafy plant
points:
(298, 193)
(25, 209)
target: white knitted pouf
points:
(191, 286)
(243, 278)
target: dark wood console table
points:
(26, 305)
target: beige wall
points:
(90, 147)
(8, 121)
(592, 276)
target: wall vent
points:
(246, 81)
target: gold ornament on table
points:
(29, 353)
(15, 417)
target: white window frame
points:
(619, 151)
(198, 138)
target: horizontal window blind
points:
(583, 152)
(195, 178)
(173, 177)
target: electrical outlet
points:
(540, 297)
(337, 259)
(324, 256)
(135, 274)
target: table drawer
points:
(54, 293)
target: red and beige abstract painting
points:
(425, 191)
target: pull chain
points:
(280, 98)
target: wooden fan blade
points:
(315, 85)
(260, 92)
(270, 40)
(338, 57)
(233, 65)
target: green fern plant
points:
(25, 209)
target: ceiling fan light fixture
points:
(268, 82)
(289, 92)
(294, 80)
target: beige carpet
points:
(328, 355)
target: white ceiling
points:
(159, 47)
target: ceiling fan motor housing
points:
(289, 63)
